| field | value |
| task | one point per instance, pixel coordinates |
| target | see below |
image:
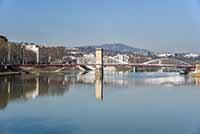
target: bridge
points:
(105, 65)
(102, 62)
(162, 62)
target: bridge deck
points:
(105, 65)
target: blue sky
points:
(158, 25)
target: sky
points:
(157, 25)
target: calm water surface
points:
(121, 103)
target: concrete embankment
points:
(4, 70)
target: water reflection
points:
(99, 86)
(26, 87)
(197, 81)
(121, 80)
(31, 86)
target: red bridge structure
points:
(102, 62)
(105, 65)
(162, 62)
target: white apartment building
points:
(35, 49)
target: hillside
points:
(114, 48)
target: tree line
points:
(16, 53)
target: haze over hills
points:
(115, 48)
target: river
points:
(121, 103)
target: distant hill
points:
(115, 48)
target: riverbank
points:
(9, 73)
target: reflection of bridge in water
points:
(127, 79)
(120, 80)
(22, 88)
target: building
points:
(121, 58)
(116, 59)
(3, 50)
(164, 55)
(86, 59)
(191, 55)
(34, 49)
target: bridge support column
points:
(99, 60)
(99, 74)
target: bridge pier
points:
(99, 74)
(99, 61)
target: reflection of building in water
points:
(169, 81)
(119, 80)
(35, 92)
(88, 78)
(29, 87)
(99, 87)
(197, 81)
(55, 85)
(4, 93)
